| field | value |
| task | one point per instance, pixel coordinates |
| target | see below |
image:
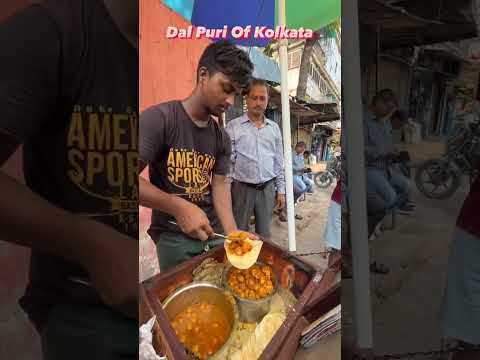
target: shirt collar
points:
(245, 119)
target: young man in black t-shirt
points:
(188, 154)
(69, 95)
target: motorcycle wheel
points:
(436, 180)
(323, 180)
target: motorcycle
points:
(440, 178)
(324, 179)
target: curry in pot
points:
(202, 328)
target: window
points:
(323, 87)
(290, 60)
(294, 59)
(315, 76)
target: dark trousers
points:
(248, 201)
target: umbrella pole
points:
(287, 140)
(356, 170)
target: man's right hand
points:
(193, 221)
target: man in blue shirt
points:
(383, 181)
(257, 174)
(301, 183)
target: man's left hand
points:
(280, 201)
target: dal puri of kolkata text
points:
(202, 328)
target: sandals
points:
(282, 218)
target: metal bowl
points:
(199, 292)
(251, 310)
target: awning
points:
(182, 7)
(333, 125)
(305, 113)
(413, 22)
(299, 13)
(265, 68)
(467, 50)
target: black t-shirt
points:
(182, 157)
(69, 91)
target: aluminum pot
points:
(251, 311)
(200, 292)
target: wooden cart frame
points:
(314, 298)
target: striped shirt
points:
(257, 153)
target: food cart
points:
(315, 294)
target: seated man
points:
(382, 180)
(301, 182)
